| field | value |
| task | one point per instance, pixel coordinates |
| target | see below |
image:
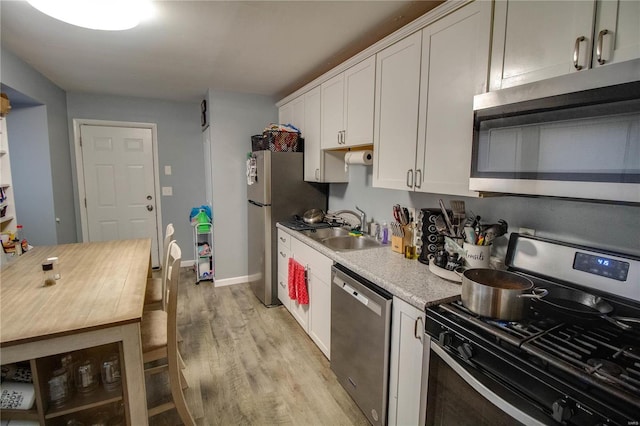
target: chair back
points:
(173, 279)
(168, 237)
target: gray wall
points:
(31, 173)
(20, 76)
(234, 117)
(179, 145)
(614, 227)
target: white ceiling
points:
(263, 47)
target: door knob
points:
(149, 207)
(149, 197)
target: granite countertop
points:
(406, 279)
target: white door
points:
(396, 122)
(332, 115)
(359, 88)
(535, 40)
(312, 151)
(119, 184)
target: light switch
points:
(167, 170)
(167, 190)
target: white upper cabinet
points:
(455, 59)
(304, 113)
(424, 103)
(396, 121)
(617, 33)
(347, 107)
(534, 40)
(312, 164)
(293, 113)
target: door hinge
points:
(85, 203)
(80, 139)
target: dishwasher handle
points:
(358, 296)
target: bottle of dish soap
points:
(385, 233)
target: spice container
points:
(59, 389)
(56, 266)
(111, 372)
(86, 376)
(49, 277)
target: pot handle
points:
(536, 293)
(614, 321)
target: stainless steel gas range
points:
(561, 365)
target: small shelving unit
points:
(203, 251)
(79, 406)
(7, 204)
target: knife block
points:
(398, 243)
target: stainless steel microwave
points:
(574, 136)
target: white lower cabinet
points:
(314, 318)
(284, 253)
(405, 365)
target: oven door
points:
(457, 394)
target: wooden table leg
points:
(134, 371)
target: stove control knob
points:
(444, 338)
(466, 351)
(561, 410)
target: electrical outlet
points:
(167, 191)
(527, 231)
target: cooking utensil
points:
(459, 215)
(313, 216)
(441, 227)
(579, 305)
(452, 231)
(497, 294)
(397, 214)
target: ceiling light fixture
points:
(111, 15)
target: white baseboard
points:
(232, 281)
(218, 283)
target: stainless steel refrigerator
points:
(278, 193)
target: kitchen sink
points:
(349, 242)
(338, 239)
(323, 233)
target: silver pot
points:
(313, 216)
(498, 294)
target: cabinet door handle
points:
(410, 174)
(282, 254)
(601, 35)
(418, 178)
(418, 332)
(284, 240)
(317, 174)
(576, 53)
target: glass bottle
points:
(49, 277)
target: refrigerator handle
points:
(255, 203)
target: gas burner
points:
(606, 370)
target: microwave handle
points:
(483, 390)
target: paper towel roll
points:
(359, 157)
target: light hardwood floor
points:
(250, 365)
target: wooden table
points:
(98, 300)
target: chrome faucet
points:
(360, 215)
(363, 219)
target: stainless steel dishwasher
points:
(360, 338)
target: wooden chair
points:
(159, 334)
(155, 295)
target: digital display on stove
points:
(600, 265)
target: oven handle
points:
(483, 390)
